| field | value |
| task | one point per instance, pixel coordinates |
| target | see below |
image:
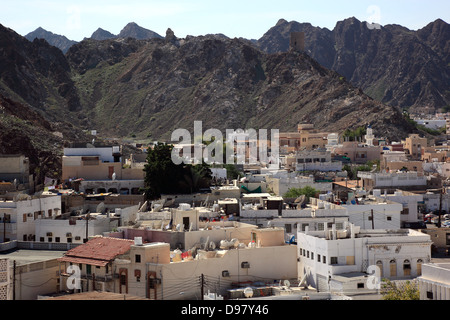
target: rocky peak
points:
(133, 30)
(101, 34)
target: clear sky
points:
(245, 18)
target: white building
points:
(434, 283)
(75, 229)
(410, 202)
(339, 259)
(280, 186)
(19, 215)
(375, 213)
(5, 282)
(317, 215)
(397, 180)
(316, 160)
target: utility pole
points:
(440, 207)
(14, 280)
(4, 227)
(87, 226)
(202, 284)
(371, 215)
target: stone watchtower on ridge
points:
(297, 41)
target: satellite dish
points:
(212, 245)
(287, 283)
(248, 292)
(113, 177)
(100, 208)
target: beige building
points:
(152, 270)
(97, 163)
(434, 284)
(415, 145)
(440, 238)
(359, 152)
(15, 173)
(30, 274)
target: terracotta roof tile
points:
(99, 248)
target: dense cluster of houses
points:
(94, 231)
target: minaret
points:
(369, 136)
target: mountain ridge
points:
(404, 68)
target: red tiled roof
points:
(98, 251)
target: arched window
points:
(406, 268)
(380, 266)
(393, 268)
(419, 267)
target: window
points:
(339, 225)
(41, 239)
(50, 239)
(320, 227)
(360, 285)
(123, 279)
(324, 259)
(304, 225)
(57, 239)
(429, 295)
(24, 217)
(137, 274)
(380, 266)
(312, 255)
(307, 254)
(318, 257)
(137, 258)
(288, 228)
(389, 218)
(333, 260)
(393, 268)
(406, 268)
(447, 239)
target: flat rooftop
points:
(23, 257)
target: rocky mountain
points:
(38, 101)
(150, 88)
(101, 34)
(395, 65)
(56, 40)
(132, 30)
(147, 88)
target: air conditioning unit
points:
(49, 234)
(245, 265)
(225, 273)
(68, 234)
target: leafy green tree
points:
(233, 172)
(160, 171)
(354, 135)
(308, 191)
(405, 291)
(163, 176)
(196, 177)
